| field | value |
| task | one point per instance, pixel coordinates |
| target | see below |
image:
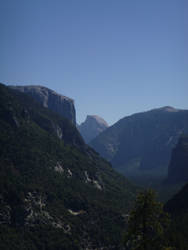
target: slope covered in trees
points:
(177, 207)
(55, 191)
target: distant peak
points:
(92, 127)
(167, 109)
(97, 118)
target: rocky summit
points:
(50, 99)
(92, 127)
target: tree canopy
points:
(147, 223)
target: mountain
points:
(141, 144)
(55, 191)
(50, 99)
(178, 167)
(91, 127)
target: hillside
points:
(55, 191)
(141, 144)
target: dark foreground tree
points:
(147, 223)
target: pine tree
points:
(147, 223)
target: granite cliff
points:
(50, 99)
(178, 167)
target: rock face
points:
(50, 99)
(178, 167)
(92, 127)
(141, 143)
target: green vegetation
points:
(177, 207)
(150, 227)
(147, 224)
(55, 191)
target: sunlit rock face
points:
(92, 127)
(178, 167)
(50, 99)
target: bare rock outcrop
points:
(50, 99)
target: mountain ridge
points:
(142, 141)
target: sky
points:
(113, 57)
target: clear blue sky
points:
(113, 57)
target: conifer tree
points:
(147, 223)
